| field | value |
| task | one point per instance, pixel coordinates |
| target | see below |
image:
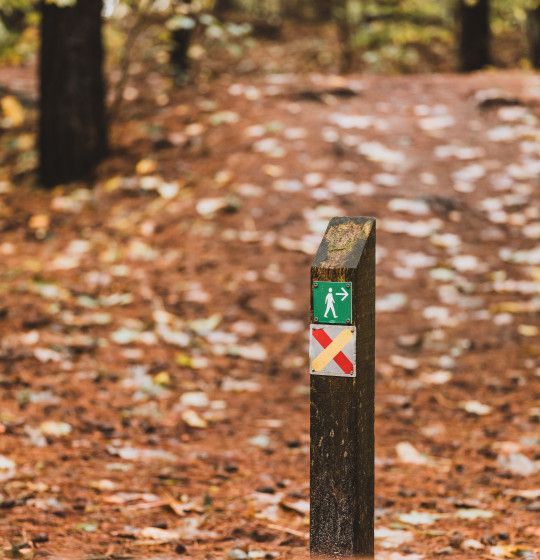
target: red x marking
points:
(341, 360)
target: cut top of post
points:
(343, 243)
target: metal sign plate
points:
(332, 350)
(332, 302)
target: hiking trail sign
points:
(342, 390)
(332, 350)
(332, 302)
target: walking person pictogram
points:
(329, 300)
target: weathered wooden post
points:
(342, 367)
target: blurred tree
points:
(182, 27)
(344, 34)
(533, 35)
(222, 7)
(290, 9)
(72, 127)
(474, 34)
(323, 9)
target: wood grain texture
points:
(342, 409)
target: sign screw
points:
(316, 319)
(315, 284)
(348, 321)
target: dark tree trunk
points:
(474, 35)
(222, 7)
(288, 9)
(181, 40)
(72, 127)
(533, 36)
(343, 26)
(323, 9)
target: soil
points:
(116, 301)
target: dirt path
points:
(154, 396)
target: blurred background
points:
(107, 49)
(167, 170)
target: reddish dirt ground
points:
(158, 322)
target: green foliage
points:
(389, 31)
(9, 6)
(408, 35)
(17, 38)
(61, 3)
(392, 34)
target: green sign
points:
(332, 302)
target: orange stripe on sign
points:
(332, 350)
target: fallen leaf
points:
(391, 303)
(519, 464)
(475, 407)
(137, 454)
(145, 166)
(197, 399)
(193, 420)
(418, 518)
(472, 513)
(13, 114)
(298, 506)
(393, 538)
(7, 468)
(231, 385)
(55, 429)
(407, 453)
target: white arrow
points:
(344, 294)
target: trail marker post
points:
(342, 372)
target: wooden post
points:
(342, 398)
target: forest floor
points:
(154, 388)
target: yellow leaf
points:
(528, 330)
(145, 166)
(112, 184)
(39, 221)
(25, 142)
(223, 177)
(12, 110)
(534, 273)
(183, 360)
(273, 170)
(196, 52)
(162, 378)
(33, 265)
(193, 420)
(511, 307)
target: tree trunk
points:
(181, 40)
(323, 10)
(222, 7)
(343, 26)
(533, 36)
(474, 35)
(72, 125)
